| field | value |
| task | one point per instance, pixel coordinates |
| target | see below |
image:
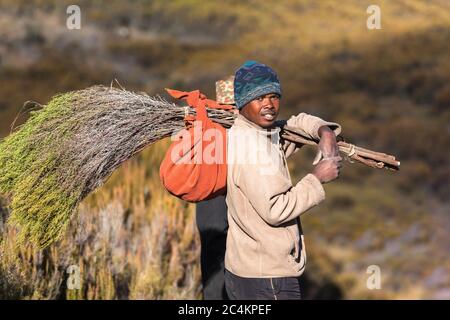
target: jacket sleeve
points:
(274, 197)
(309, 126)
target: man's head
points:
(257, 93)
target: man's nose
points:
(267, 103)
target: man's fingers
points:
(334, 159)
(329, 155)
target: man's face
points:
(263, 110)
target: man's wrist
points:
(325, 132)
(318, 177)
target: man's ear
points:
(241, 110)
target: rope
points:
(352, 150)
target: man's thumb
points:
(318, 157)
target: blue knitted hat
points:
(252, 80)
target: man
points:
(265, 253)
(211, 217)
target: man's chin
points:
(267, 124)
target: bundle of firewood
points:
(352, 152)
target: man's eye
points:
(260, 98)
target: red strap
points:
(199, 101)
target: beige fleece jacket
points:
(264, 235)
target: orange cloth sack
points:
(194, 167)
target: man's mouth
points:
(268, 115)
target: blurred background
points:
(388, 88)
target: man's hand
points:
(328, 170)
(328, 147)
(327, 144)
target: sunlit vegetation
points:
(388, 88)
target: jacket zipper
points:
(273, 289)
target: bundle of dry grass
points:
(73, 144)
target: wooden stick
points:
(368, 157)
